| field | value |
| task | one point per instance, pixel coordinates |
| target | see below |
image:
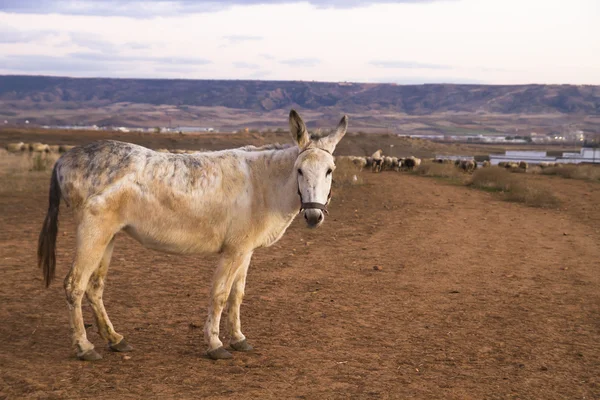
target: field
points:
(414, 287)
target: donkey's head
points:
(314, 168)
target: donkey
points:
(228, 202)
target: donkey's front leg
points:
(229, 266)
(238, 340)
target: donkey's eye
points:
(329, 171)
(300, 172)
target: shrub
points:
(513, 188)
(583, 172)
(532, 195)
(492, 179)
(437, 170)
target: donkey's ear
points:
(329, 142)
(298, 130)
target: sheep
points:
(486, 164)
(54, 148)
(411, 162)
(377, 161)
(523, 165)
(467, 165)
(387, 163)
(360, 162)
(63, 148)
(39, 147)
(16, 147)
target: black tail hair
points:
(47, 241)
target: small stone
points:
(544, 368)
(377, 268)
(126, 358)
(237, 370)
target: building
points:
(585, 155)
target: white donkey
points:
(228, 202)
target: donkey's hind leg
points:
(94, 291)
(92, 240)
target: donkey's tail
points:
(47, 241)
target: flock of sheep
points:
(377, 162)
(37, 147)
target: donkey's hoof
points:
(90, 355)
(219, 354)
(121, 347)
(242, 345)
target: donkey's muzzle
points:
(314, 217)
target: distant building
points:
(585, 155)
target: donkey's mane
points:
(273, 146)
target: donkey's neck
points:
(275, 179)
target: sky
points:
(405, 42)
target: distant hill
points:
(231, 105)
(41, 91)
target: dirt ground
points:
(474, 298)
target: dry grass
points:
(436, 170)
(583, 172)
(19, 169)
(346, 174)
(513, 187)
(492, 180)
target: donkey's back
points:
(160, 199)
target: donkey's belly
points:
(177, 241)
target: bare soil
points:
(472, 298)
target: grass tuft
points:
(582, 172)
(513, 188)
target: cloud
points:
(58, 65)
(302, 62)
(267, 56)
(93, 63)
(245, 65)
(8, 35)
(138, 8)
(235, 39)
(101, 57)
(409, 65)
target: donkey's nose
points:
(313, 217)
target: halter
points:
(313, 205)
